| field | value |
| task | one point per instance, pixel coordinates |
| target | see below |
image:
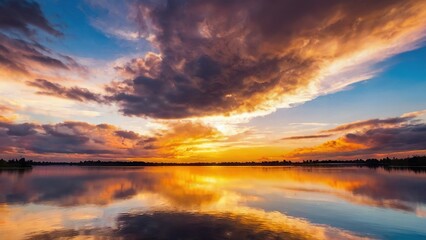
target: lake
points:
(53, 202)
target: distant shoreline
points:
(415, 161)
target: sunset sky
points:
(212, 80)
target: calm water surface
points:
(212, 203)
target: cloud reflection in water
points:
(193, 200)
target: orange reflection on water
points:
(74, 198)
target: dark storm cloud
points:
(224, 57)
(75, 93)
(24, 16)
(21, 22)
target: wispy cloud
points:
(392, 136)
(307, 137)
(373, 123)
(75, 93)
(21, 25)
(23, 16)
(319, 124)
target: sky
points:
(212, 80)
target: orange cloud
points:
(370, 138)
(3, 111)
(80, 140)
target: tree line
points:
(15, 163)
(415, 161)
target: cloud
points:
(307, 137)
(370, 138)
(185, 139)
(122, 27)
(371, 123)
(24, 56)
(21, 24)
(24, 16)
(232, 57)
(4, 112)
(243, 58)
(75, 93)
(404, 138)
(80, 140)
(127, 134)
(63, 138)
(24, 129)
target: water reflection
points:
(206, 226)
(262, 202)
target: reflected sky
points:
(218, 202)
